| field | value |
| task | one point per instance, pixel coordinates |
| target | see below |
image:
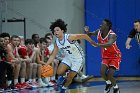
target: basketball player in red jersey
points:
(111, 55)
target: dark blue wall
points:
(122, 14)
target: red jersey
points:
(46, 54)
(9, 58)
(22, 50)
(29, 53)
(109, 52)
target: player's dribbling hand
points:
(128, 46)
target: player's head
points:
(49, 38)
(1, 41)
(58, 25)
(137, 25)
(43, 43)
(6, 37)
(15, 40)
(29, 43)
(35, 38)
(106, 25)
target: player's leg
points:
(40, 81)
(9, 73)
(113, 66)
(17, 67)
(103, 72)
(68, 81)
(75, 67)
(62, 68)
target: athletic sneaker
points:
(11, 87)
(26, 85)
(1, 90)
(53, 81)
(19, 86)
(107, 88)
(51, 84)
(42, 84)
(116, 90)
(35, 84)
(85, 79)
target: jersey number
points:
(69, 51)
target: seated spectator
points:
(5, 68)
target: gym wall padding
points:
(122, 13)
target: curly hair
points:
(58, 23)
(4, 34)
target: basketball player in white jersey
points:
(73, 59)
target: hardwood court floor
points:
(89, 87)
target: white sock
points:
(22, 80)
(49, 78)
(116, 86)
(15, 81)
(53, 78)
(9, 82)
(40, 80)
(108, 82)
(34, 80)
(46, 80)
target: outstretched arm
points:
(127, 44)
(53, 55)
(82, 36)
(112, 38)
(130, 37)
(38, 59)
(86, 28)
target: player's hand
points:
(86, 28)
(128, 46)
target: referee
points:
(134, 33)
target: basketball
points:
(46, 71)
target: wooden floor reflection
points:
(90, 87)
(125, 87)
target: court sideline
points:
(89, 87)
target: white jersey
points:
(51, 48)
(71, 49)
